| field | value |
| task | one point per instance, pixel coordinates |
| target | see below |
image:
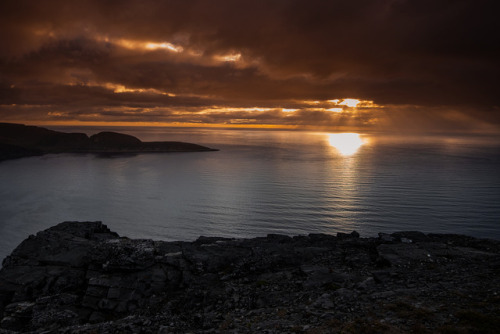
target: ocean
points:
(260, 182)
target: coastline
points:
(81, 277)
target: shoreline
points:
(81, 277)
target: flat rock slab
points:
(80, 277)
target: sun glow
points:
(351, 103)
(345, 143)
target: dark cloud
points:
(434, 61)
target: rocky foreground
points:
(79, 277)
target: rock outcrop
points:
(80, 277)
(17, 141)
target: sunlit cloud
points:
(253, 109)
(188, 53)
(229, 57)
(335, 109)
(229, 110)
(140, 45)
(185, 62)
(56, 113)
(338, 105)
(368, 104)
(347, 107)
(117, 88)
(164, 45)
(242, 120)
(352, 103)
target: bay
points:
(260, 182)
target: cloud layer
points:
(429, 65)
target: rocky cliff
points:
(80, 277)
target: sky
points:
(372, 65)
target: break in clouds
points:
(388, 64)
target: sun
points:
(345, 143)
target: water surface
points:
(260, 182)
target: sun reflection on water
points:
(345, 143)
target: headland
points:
(18, 140)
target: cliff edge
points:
(80, 277)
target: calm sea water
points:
(260, 182)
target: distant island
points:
(18, 140)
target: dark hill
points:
(37, 138)
(114, 139)
(18, 140)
